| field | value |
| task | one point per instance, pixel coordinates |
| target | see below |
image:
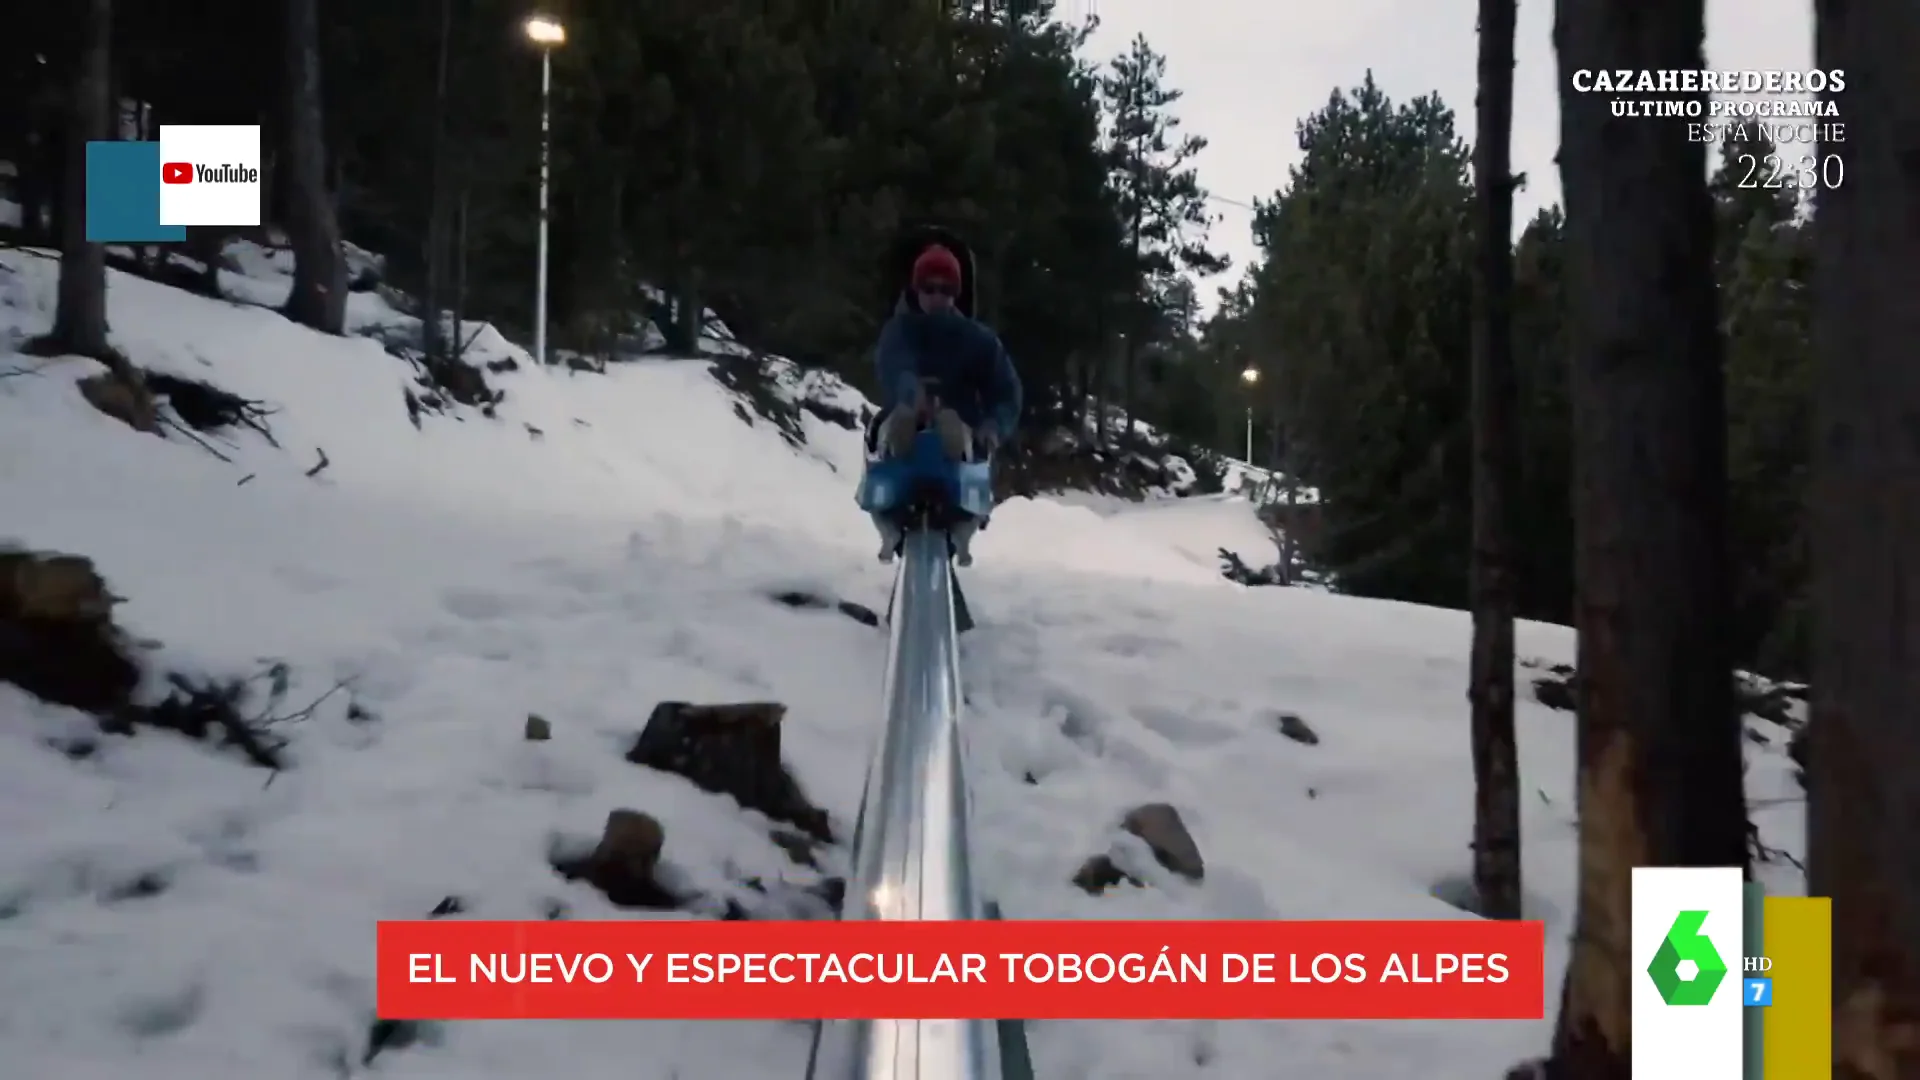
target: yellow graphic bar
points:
(1797, 935)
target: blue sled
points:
(924, 489)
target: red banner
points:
(1467, 969)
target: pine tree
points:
(1863, 791)
(319, 295)
(80, 318)
(1363, 309)
(1163, 209)
(1659, 736)
(1496, 476)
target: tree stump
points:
(57, 638)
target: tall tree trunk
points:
(689, 313)
(1091, 370)
(319, 296)
(80, 319)
(45, 115)
(1286, 470)
(432, 336)
(1129, 355)
(1496, 478)
(1863, 804)
(205, 243)
(1659, 741)
(1099, 364)
(459, 320)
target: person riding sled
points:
(939, 368)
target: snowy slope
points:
(607, 543)
(1201, 526)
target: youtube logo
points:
(209, 177)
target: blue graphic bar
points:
(1753, 1028)
(123, 195)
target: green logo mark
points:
(1686, 942)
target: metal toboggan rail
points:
(910, 858)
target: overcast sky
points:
(1251, 69)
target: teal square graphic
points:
(123, 195)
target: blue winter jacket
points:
(975, 375)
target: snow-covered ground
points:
(609, 542)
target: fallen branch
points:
(197, 709)
(315, 471)
(460, 349)
(206, 407)
(305, 713)
(255, 418)
(174, 425)
(1765, 853)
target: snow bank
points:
(1200, 526)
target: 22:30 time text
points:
(1773, 172)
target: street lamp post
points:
(548, 34)
(1250, 376)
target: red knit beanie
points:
(936, 264)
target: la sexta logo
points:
(180, 172)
